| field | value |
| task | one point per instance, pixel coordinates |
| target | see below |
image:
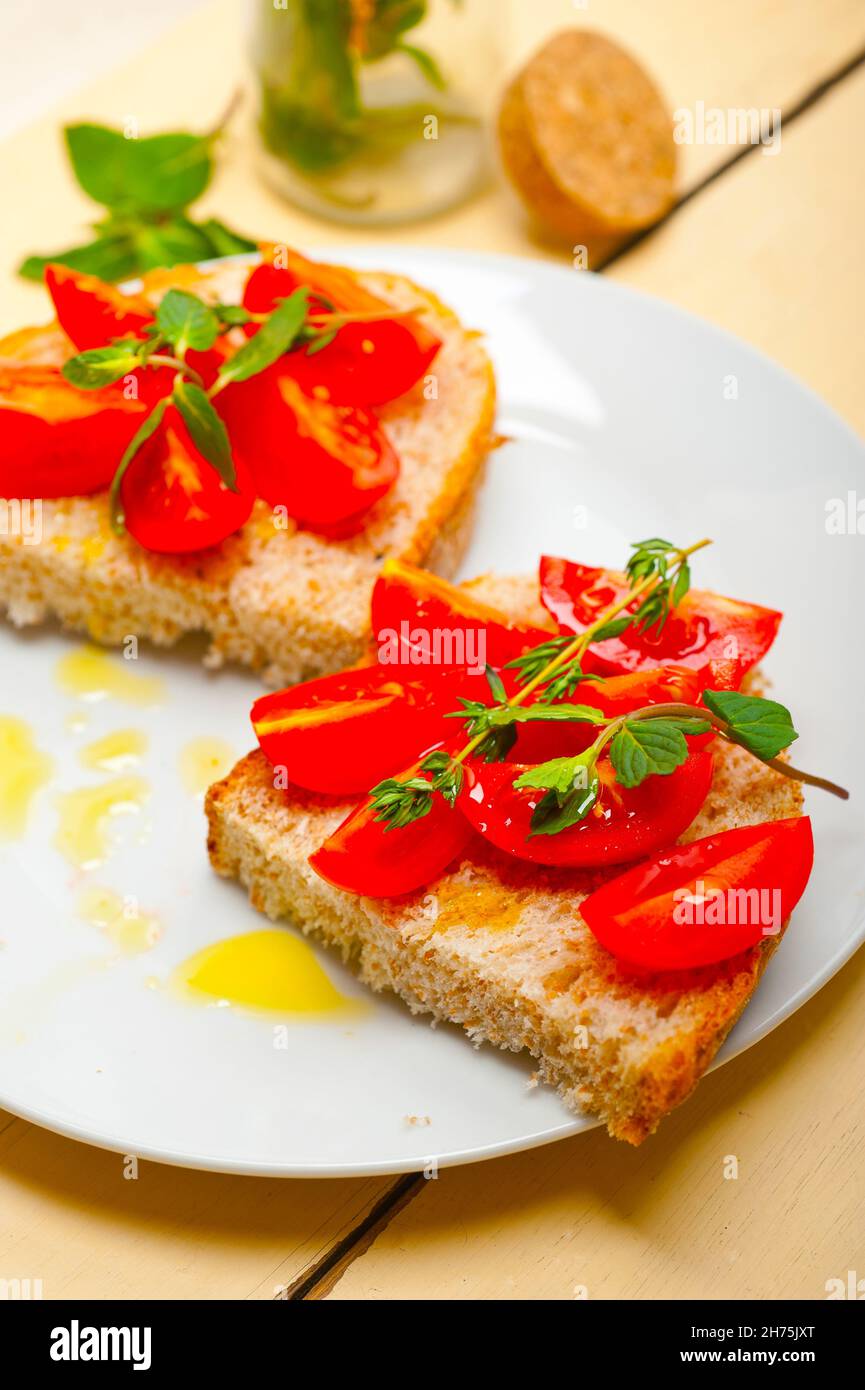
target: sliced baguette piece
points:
(499, 947)
(286, 602)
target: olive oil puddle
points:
(116, 751)
(91, 674)
(121, 920)
(267, 971)
(23, 772)
(85, 814)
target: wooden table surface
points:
(770, 247)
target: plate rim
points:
(481, 260)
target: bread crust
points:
(286, 602)
(499, 947)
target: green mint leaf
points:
(647, 747)
(223, 241)
(99, 157)
(173, 242)
(186, 322)
(109, 257)
(206, 429)
(98, 367)
(559, 775)
(764, 727)
(157, 174)
(232, 314)
(274, 337)
(148, 427)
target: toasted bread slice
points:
(284, 601)
(499, 946)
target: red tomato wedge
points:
(91, 312)
(707, 901)
(370, 361)
(362, 856)
(625, 824)
(327, 465)
(706, 632)
(426, 617)
(345, 732)
(56, 441)
(614, 696)
(174, 500)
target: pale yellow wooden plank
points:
(760, 53)
(662, 1221)
(773, 251)
(69, 1217)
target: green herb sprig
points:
(183, 324)
(145, 186)
(647, 742)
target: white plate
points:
(615, 404)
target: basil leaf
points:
(206, 429)
(98, 367)
(764, 727)
(647, 747)
(274, 337)
(186, 322)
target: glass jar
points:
(373, 111)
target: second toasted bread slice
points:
(285, 602)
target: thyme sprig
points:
(650, 741)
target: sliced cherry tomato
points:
(174, 500)
(707, 901)
(362, 856)
(370, 361)
(705, 632)
(327, 465)
(56, 441)
(343, 733)
(91, 312)
(433, 623)
(614, 696)
(625, 824)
